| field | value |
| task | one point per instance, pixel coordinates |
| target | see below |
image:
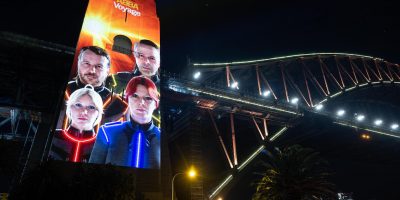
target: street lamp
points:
(319, 106)
(196, 75)
(191, 174)
(294, 101)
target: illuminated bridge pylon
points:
(229, 117)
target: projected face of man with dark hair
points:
(93, 65)
(147, 56)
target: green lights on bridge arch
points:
(223, 64)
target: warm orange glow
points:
(65, 123)
(107, 101)
(365, 136)
(97, 28)
(66, 95)
(105, 19)
(192, 173)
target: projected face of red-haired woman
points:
(142, 98)
(141, 105)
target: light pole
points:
(173, 179)
(191, 174)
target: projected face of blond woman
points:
(84, 113)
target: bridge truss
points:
(273, 93)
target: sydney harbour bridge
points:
(271, 96)
(225, 112)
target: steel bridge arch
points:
(338, 73)
(314, 77)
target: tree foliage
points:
(295, 173)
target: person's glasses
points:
(146, 99)
(79, 106)
(141, 56)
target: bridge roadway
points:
(216, 97)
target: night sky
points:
(223, 31)
(243, 30)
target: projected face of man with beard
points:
(93, 67)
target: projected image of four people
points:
(107, 127)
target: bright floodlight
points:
(394, 126)
(95, 26)
(192, 173)
(319, 107)
(196, 75)
(266, 93)
(360, 118)
(295, 100)
(378, 122)
(235, 85)
(340, 112)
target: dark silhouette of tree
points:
(295, 173)
(55, 180)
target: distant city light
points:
(394, 126)
(235, 85)
(196, 75)
(266, 93)
(295, 100)
(378, 122)
(319, 107)
(340, 112)
(365, 136)
(360, 118)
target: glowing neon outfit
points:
(72, 145)
(127, 144)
